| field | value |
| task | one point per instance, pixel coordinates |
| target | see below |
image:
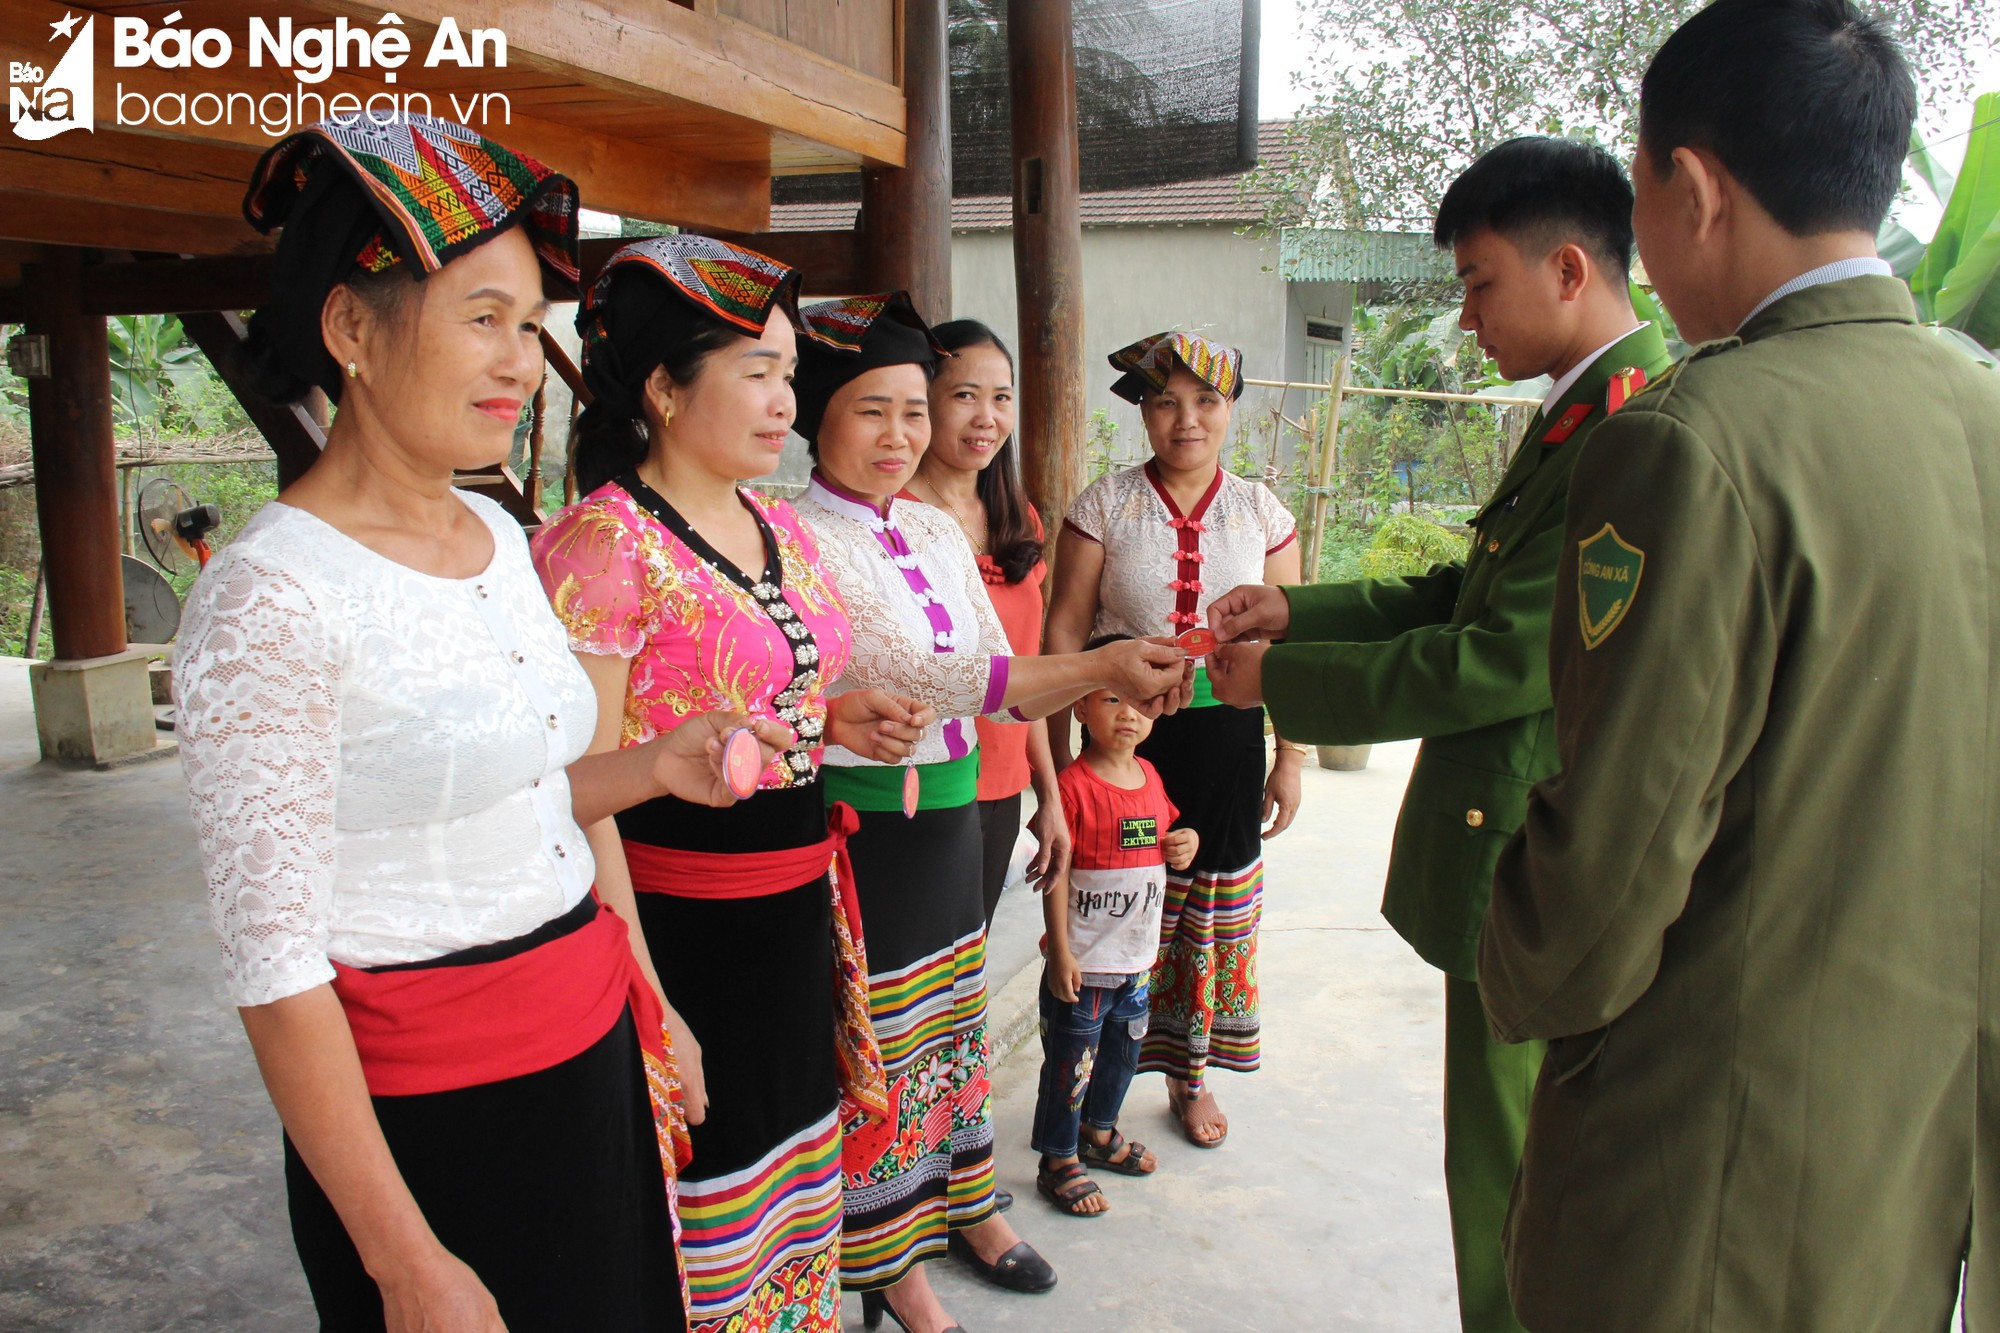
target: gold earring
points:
(353, 371)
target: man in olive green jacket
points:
(1540, 230)
(1757, 916)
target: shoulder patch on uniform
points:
(1607, 579)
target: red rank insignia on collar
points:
(1623, 385)
(1566, 424)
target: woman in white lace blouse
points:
(381, 724)
(923, 627)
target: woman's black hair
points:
(603, 442)
(262, 363)
(1010, 525)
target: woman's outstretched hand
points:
(1153, 675)
(876, 724)
(687, 761)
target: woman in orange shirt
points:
(970, 472)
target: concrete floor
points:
(139, 1171)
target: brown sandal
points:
(1066, 1186)
(1105, 1154)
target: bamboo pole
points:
(1329, 456)
(1428, 395)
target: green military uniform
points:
(1757, 915)
(1460, 656)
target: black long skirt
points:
(753, 980)
(1206, 1006)
(548, 1186)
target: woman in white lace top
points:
(381, 725)
(1144, 551)
(922, 627)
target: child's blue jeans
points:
(1090, 1050)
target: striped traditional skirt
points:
(752, 977)
(929, 1167)
(1205, 1006)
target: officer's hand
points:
(1253, 611)
(1236, 674)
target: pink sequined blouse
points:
(700, 635)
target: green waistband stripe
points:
(879, 787)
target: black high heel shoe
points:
(875, 1304)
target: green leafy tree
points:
(1406, 544)
(1406, 92)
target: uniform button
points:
(1492, 546)
(1474, 818)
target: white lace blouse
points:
(1162, 567)
(375, 756)
(923, 625)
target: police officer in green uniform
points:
(1757, 916)
(1541, 233)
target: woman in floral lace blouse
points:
(923, 625)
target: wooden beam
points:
(59, 221)
(1048, 252)
(76, 491)
(615, 175)
(201, 179)
(291, 431)
(663, 54)
(906, 211)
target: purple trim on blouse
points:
(996, 685)
(958, 738)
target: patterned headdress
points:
(1149, 362)
(372, 192)
(651, 293)
(844, 339)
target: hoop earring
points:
(353, 371)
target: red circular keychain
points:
(912, 784)
(1199, 641)
(742, 763)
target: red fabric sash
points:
(761, 874)
(434, 1029)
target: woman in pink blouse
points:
(681, 593)
(1144, 551)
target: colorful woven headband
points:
(439, 189)
(849, 337)
(651, 294)
(1149, 363)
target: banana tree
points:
(1956, 278)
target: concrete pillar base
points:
(96, 709)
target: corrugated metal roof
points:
(1316, 254)
(1217, 199)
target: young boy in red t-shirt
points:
(1103, 936)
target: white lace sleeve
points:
(992, 634)
(887, 653)
(257, 683)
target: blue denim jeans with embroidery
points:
(1090, 1050)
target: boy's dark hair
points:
(1544, 192)
(1104, 639)
(1808, 103)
